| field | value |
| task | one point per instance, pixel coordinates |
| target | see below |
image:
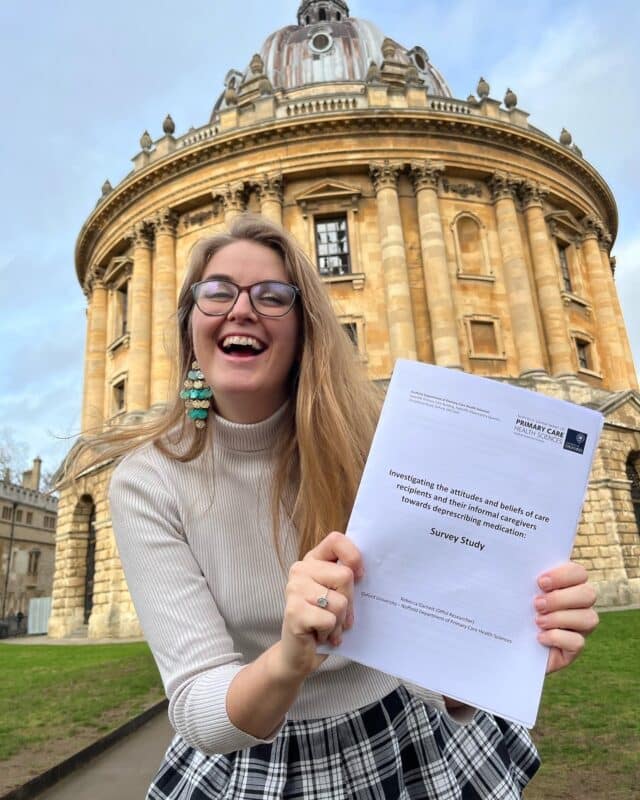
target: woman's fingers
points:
(336, 547)
(565, 614)
(580, 596)
(565, 647)
(582, 620)
(569, 574)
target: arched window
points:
(634, 476)
(471, 248)
(90, 562)
(322, 15)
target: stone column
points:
(95, 358)
(402, 338)
(609, 264)
(270, 192)
(233, 201)
(163, 323)
(442, 312)
(140, 301)
(545, 272)
(519, 290)
(601, 281)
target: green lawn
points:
(588, 730)
(64, 690)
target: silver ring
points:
(323, 601)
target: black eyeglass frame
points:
(247, 289)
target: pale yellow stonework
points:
(427, 186)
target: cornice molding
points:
(370, 121)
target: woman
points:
(222, 517)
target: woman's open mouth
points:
(241, 346)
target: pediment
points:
(623, 409)
(329, 190)
(565, 221)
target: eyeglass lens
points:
(270, 298)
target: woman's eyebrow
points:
(218, 277)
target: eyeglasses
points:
(216, 297)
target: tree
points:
(13, 456)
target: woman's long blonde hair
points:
(322, 448)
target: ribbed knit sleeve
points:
(175, 606)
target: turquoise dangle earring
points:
(197, 396)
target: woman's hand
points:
(565, 614)
(307, 624)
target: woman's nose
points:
(242, 307)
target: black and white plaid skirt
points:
(397, 748)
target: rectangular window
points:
(122, 305)
(29, 517)
(351, 329)
(34, 559)
(583, 349)
(6, 512)
(119, 396)
(19, 515)
(564, 267)
(332, 246)
(483, 338)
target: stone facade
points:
(27, 543)
(475, 241)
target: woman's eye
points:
(271, 298)
(216, 293)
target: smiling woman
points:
(245, 330)
(228, 522)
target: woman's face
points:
(249, 383)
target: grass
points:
(588, 730)
(62, 691)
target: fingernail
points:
(541, 622)
(540, 603)
(545, 583)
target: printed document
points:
(472, 488)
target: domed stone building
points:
(449, 231)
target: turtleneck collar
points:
(248, 438)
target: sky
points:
(84, 80)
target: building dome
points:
(329, 46)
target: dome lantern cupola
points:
(313, 11)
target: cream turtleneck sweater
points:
(197, 550)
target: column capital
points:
(503, 184)
(384, 174)
(605, 241)
(425, 174)
(166, 221)
(92, 282)
(141, 234)
(532, 194)
(592, 227)
(271, 187)
(233, 197)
